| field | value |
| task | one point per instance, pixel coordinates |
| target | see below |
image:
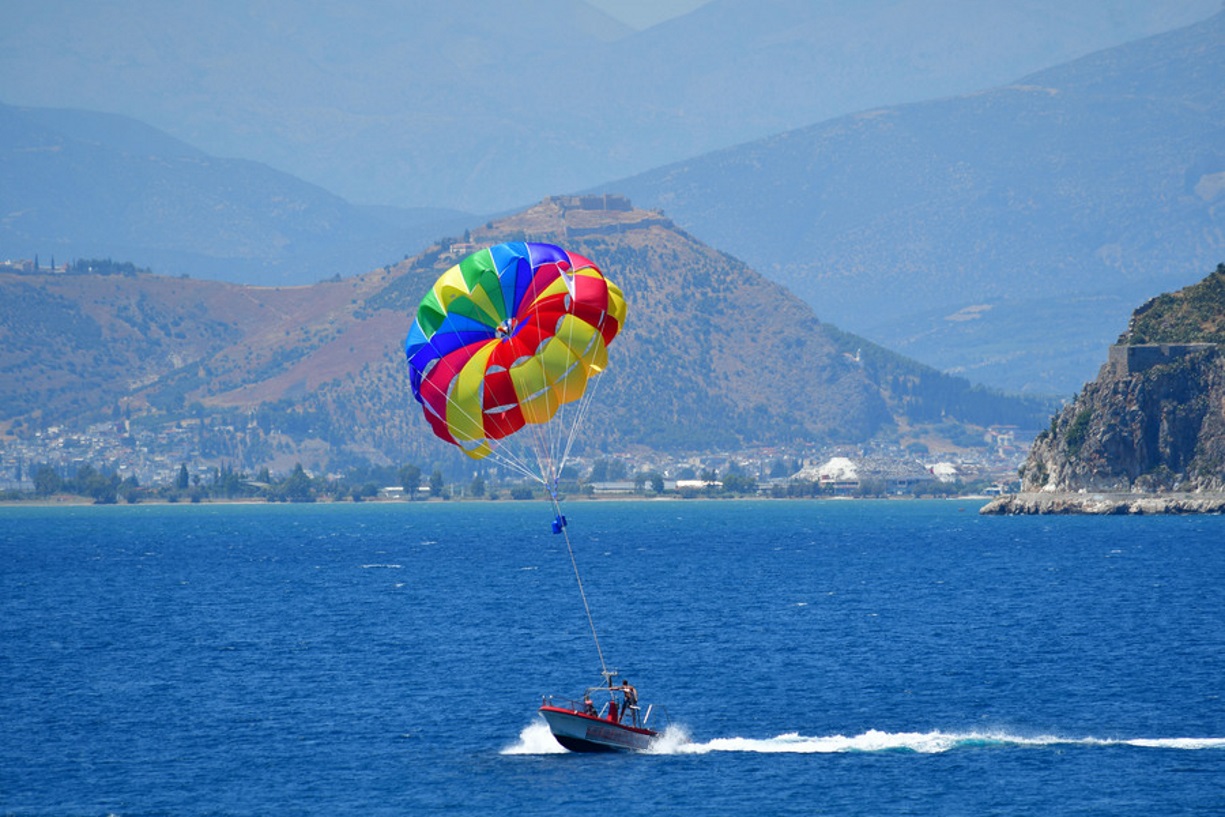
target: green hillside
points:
(1195, 314)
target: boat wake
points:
(914, 742)
(536, 739)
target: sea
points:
(807, 657)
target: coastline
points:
(72, 501)
(1104, 504)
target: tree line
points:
(411, 483)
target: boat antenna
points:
(559, 526)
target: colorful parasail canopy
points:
(506, 337)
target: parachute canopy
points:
(508, 336)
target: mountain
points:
(1002, 234)
(485, 106)
(1192, 315)
(1154, 419)
(79, 184)
(713, 357)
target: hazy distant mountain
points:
(77, 184)
(1003, 234)
(485, 105)
(713, 357)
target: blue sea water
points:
(815, 658)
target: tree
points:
(364, 491)
(739, 484)
(297, 487)
(228, 482)
(102, 488)
(85, 475)
(129, 489)
(436, 483)
(46, 481)
(410, 480)
(184, 480)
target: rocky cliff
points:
(1154, 419)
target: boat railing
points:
(661, 717)
(602, 699)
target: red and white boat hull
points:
(580, 732)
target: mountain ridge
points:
(374, 102)
(713, 356)
(1074, 192)
(81, 184)
(960, 231)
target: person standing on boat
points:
(629, 701)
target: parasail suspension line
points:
(559, 526)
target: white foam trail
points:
(919, 742)
(673, 741)
(1173, 743)
(535, 739)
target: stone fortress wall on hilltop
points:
(1129, 359)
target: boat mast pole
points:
(559, 526)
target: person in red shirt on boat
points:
(629, 701)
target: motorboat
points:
(600, 722)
